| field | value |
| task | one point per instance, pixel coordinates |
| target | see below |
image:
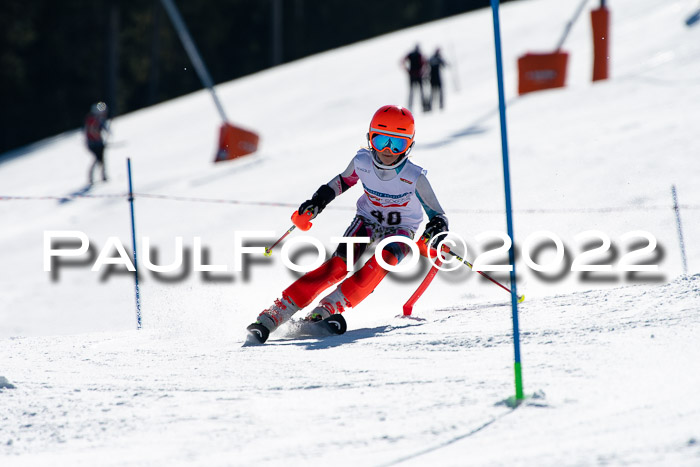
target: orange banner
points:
(235, 142)
(541, 71)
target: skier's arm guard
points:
(318, 201)
(327, 193)
(344, 180)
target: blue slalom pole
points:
(133, 242)
(679, 228)
(519, 395)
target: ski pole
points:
(303, 221)
(423, 248)
(445, 249)
(268, 250)
(521, 298)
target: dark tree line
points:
(58, 57)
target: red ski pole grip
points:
(302, 221)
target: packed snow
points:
(609, 358)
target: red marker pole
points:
(600, 22)
(408, 306)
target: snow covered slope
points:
(609, 357)
(612, 372)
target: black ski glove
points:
(318, 201)
(437, 224)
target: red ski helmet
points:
(392, 126)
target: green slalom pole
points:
(519, 394)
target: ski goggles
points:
(397, 144)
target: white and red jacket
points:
(392, 197)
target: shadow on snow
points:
(330, 341)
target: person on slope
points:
(395, 192)
(436, 62)
(95, 127)
(415, 65)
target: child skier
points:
(394, 191)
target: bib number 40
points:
(392, 217)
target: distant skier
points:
(414, 63)
(95, 128)
(395, 190)
(436, 62)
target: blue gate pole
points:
(679, 228)
(519, 396)
(133, 242)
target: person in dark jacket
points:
(436, 62)
(95, 128)
(415, 64)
